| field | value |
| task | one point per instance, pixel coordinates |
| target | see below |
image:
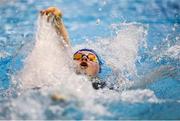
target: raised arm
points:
(58, 22)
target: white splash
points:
(120, 52)
(4, 54)
(139, 96)
(47, 64)
(173, 52)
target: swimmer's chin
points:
(83, 71)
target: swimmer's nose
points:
(84, 58)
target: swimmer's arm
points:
(61, 30)
(58, 22)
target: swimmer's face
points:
(86, 63)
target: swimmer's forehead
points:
(86, 52)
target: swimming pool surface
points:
(101, 22)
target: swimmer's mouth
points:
(83, 65)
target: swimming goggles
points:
(90, 56)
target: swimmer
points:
(85, 61)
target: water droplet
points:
(173, 28)
(100, 9)
(177, 38)
(154, 48)
(104, 2)
(98, 21)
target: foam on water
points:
(173, 52)
(3, 54)
(139, 96)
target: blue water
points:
(93, 20)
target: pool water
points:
(137, 40)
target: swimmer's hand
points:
(55, 15)
(52, 11)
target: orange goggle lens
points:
(77, 56)
(90, 56)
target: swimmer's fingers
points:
(48, 15)
(42, 12)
